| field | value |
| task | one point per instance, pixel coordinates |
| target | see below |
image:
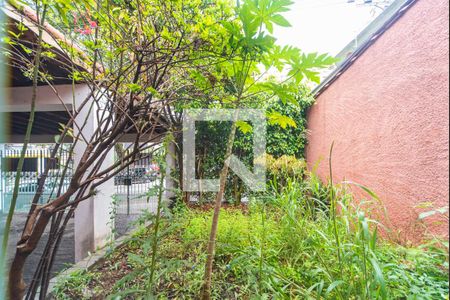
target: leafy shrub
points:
(288, 245)
(292, 140)
(287, 167)
(285, 143)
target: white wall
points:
(92, 228)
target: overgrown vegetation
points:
(144, 63)
(283, 246)
(287, 140)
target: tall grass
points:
(335, 247)
(288, 245)
(292, 245)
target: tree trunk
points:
(206, 292)
(16, 285)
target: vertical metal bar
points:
(129, 182)
(44, 160)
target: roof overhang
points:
(59, 68)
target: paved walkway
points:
(64, 258)
(66, 253)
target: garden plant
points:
(147, 61)
(283, 246)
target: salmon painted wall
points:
(389, 117)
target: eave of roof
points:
(367, 38)
(51, 36)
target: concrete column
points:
(170, 168)
(92, 223)
(2, 179)
(103, 205)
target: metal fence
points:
(136, 186)
(35, 163)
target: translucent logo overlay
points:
(255, 179)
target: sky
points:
(324, 26)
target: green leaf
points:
(313, 76)
(279, 6)
(364, 188)
(255, 14)
(269, 27)
(379, 277)
(231, 28)
(134, 88)
(244, 127)
(249, 23)
(307, 66)
(334, 285)
(373, 241)
(136, 259)
(285, 92)
(275, 118)
(281, 21)
(26, 49)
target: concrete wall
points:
(389, 117)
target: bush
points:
(285, 145)
(289, 244)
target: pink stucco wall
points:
(389, 117)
